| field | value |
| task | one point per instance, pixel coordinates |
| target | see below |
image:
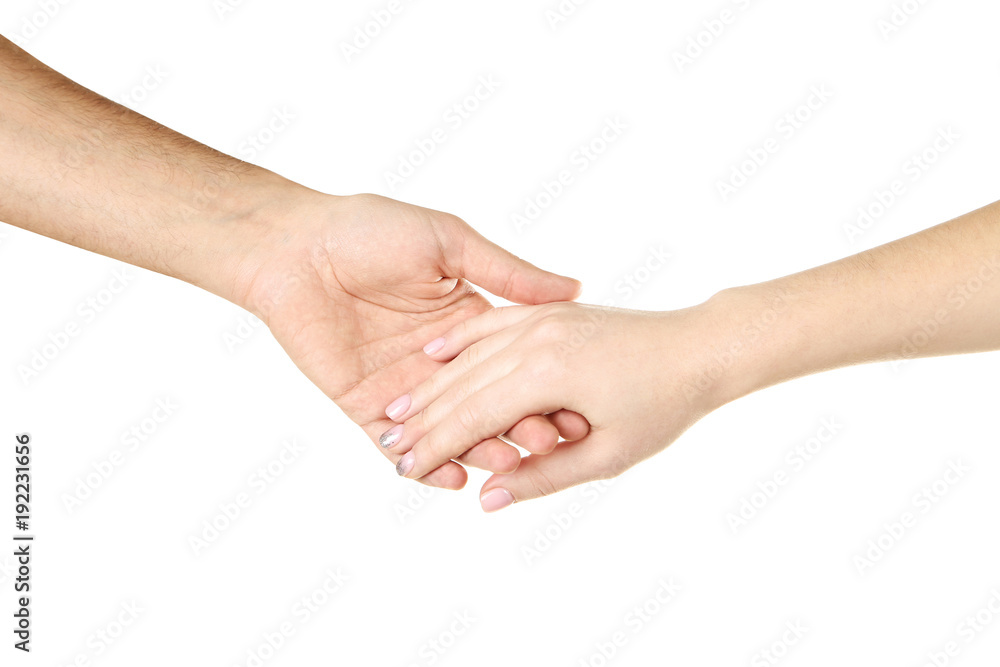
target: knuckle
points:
(492, 422)
(451, 219)
(434, 448)
(460, 333)
(461, 390)
(494, 319)
(543, 368)
(511, 281)
(550, 328)
(541, 482)
(414, 427)
(465, 419)
(554, 309)
(471, 357)
(429, 417)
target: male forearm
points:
(934, 293)
(81, 169)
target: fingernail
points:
(398, 408)
(390, 437)
(496, 499)
(434, 346)
(405, 464)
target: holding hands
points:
(632, 375)
(353, 287)
(350, 286)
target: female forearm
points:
(933, 293)
(642, 379)
(81, 169)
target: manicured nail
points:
(398, 408)
(496, 499)
(434, 346)
(391, 437)
(405, 464)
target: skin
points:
(642, 379)
(351, 287)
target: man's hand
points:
(351, 286)
(357, 285)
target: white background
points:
(340, 505)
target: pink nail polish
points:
(434, 346)
(405, 464)
(391, 437)
(496, 499)
(398, 408)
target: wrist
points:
(755, 341)
(250, 226)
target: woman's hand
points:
(641, 379)
(638, 378)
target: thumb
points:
(502, 273)
(570, 464)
